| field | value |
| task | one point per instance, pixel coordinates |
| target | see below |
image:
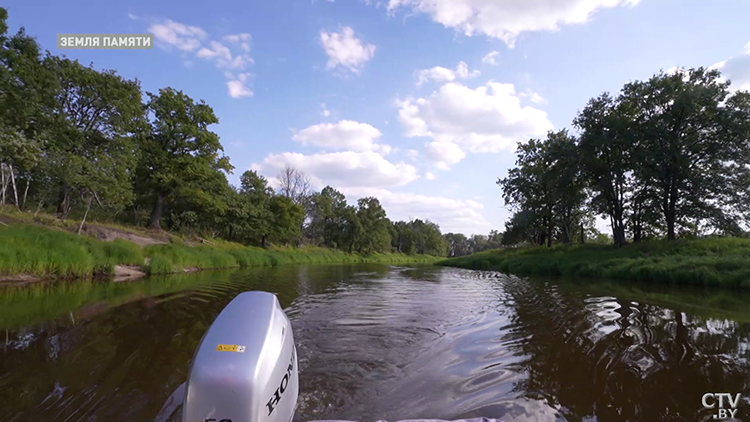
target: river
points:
(385, 342)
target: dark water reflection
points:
(380, 342)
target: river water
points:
(385, 342)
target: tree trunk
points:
(15, 189)
(670, 225)
(583, 234)
(25, 192)
(670, 211)
(156, 212)
(263, 241)
(63, 201)
(2, 183)
(88, 207)
(38, 207)
(549, 233)
(567, 231)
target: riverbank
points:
(31, 252)
(708, 262)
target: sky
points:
(417, 102)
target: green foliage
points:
(706, 262)
(92, 147)
(286, 219)
(374, 235)
(179, 152)
(690, 144)
(666, 157)
(460, 245)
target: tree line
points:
(80, 142)
(668, 157)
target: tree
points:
(524, 227)
(179, 150)
(325, 207)
(256, 195)
(294, 185)
(457, 244)
(374, 232)
(92, 152)
(350, 228)
(286, 217)
(606, 157)
(27, 96)
(531, 188)
(494, 239)
(564, 166)
(692, 143)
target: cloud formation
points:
(192, 41)
(343, 135)
(491, 58)
(171, 34)
(342, 169)
(506, 19)
(736, 69)
(441, 74)
(460, 119)
(345, 51)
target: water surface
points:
(384, 342)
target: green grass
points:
(175, 257)
(40, 251)
(58, 253)
(704, 262)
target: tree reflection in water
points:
(618, 360)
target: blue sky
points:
(418, 102)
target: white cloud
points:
(444, 154)
(222, 56)
(342, 169)
(174, 34)
(736, 69)
(429, 176)
(216, 50)
(238, 86)
(233, 55)
(344, 135)
(133, 17)
(412, 153)
(441, 74)
(243, 40)
(452, 215)
(506, 19)
(491, 58)
(534, 97)
(345, 51)
(324, 110)
(489, 118)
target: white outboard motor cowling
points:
(245, 368)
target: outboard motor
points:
(245, 368)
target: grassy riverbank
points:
(708, 262)
(56, 253)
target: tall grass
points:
(57, 253)
(706, 262)
(28, 249)
(175, 257)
